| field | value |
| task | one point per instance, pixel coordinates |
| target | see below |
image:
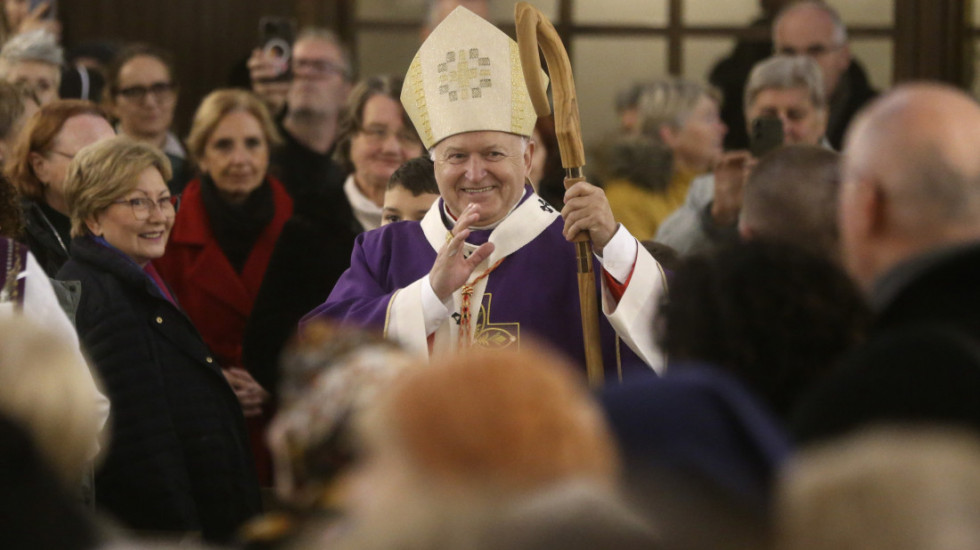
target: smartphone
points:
(52, 12)
(276, 36)
(767, 134)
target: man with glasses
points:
(309, 106)
(814, 29)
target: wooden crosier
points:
(533, 30)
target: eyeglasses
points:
(379, 134)
(159, 90)
(143, 207)
(320, 67)
(813, 50)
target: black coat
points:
(312, 252)
(853, 92)
(49, 247)
(178, 459)
(922, 360)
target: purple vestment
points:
(532, 293)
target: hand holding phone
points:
(276, 35)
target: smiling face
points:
(148, 116)
(140, 240)
(236, 156)
(382, 144)
(484, 168)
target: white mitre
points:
(467, 77)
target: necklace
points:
(53, 230)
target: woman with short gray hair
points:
(680, 137)
(34, 58)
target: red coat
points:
(216, 297)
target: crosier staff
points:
(534, 29)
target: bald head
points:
(911, 175)
(920, 142)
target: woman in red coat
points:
(228, 223)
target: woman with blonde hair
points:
(223, 237)
(179, 459)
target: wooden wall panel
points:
(207, 37)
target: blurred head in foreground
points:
(47, 389)
(472, 432)
(330, 374)
(887, 488)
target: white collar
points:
(366, 212)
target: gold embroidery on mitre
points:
(464, 74)
(494, 335)
(415, 83)
(520, 99)
(463, 68)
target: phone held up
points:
(767, 134)
(276, 36)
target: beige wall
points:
(603, 64)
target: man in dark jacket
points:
(910, 230)
(814, 29)
(807, 27)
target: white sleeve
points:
(41, 306)
(619, 255)
(414, 313)
(634, 313)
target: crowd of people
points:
(369, 313)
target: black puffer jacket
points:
(178, 459)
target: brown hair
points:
(38, 136)
(352, 117)
(216, 106)
(104, 171)
(131, 52)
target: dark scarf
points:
(237, 227)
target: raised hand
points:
(263, 71)
(730, 175)
(452, 269)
